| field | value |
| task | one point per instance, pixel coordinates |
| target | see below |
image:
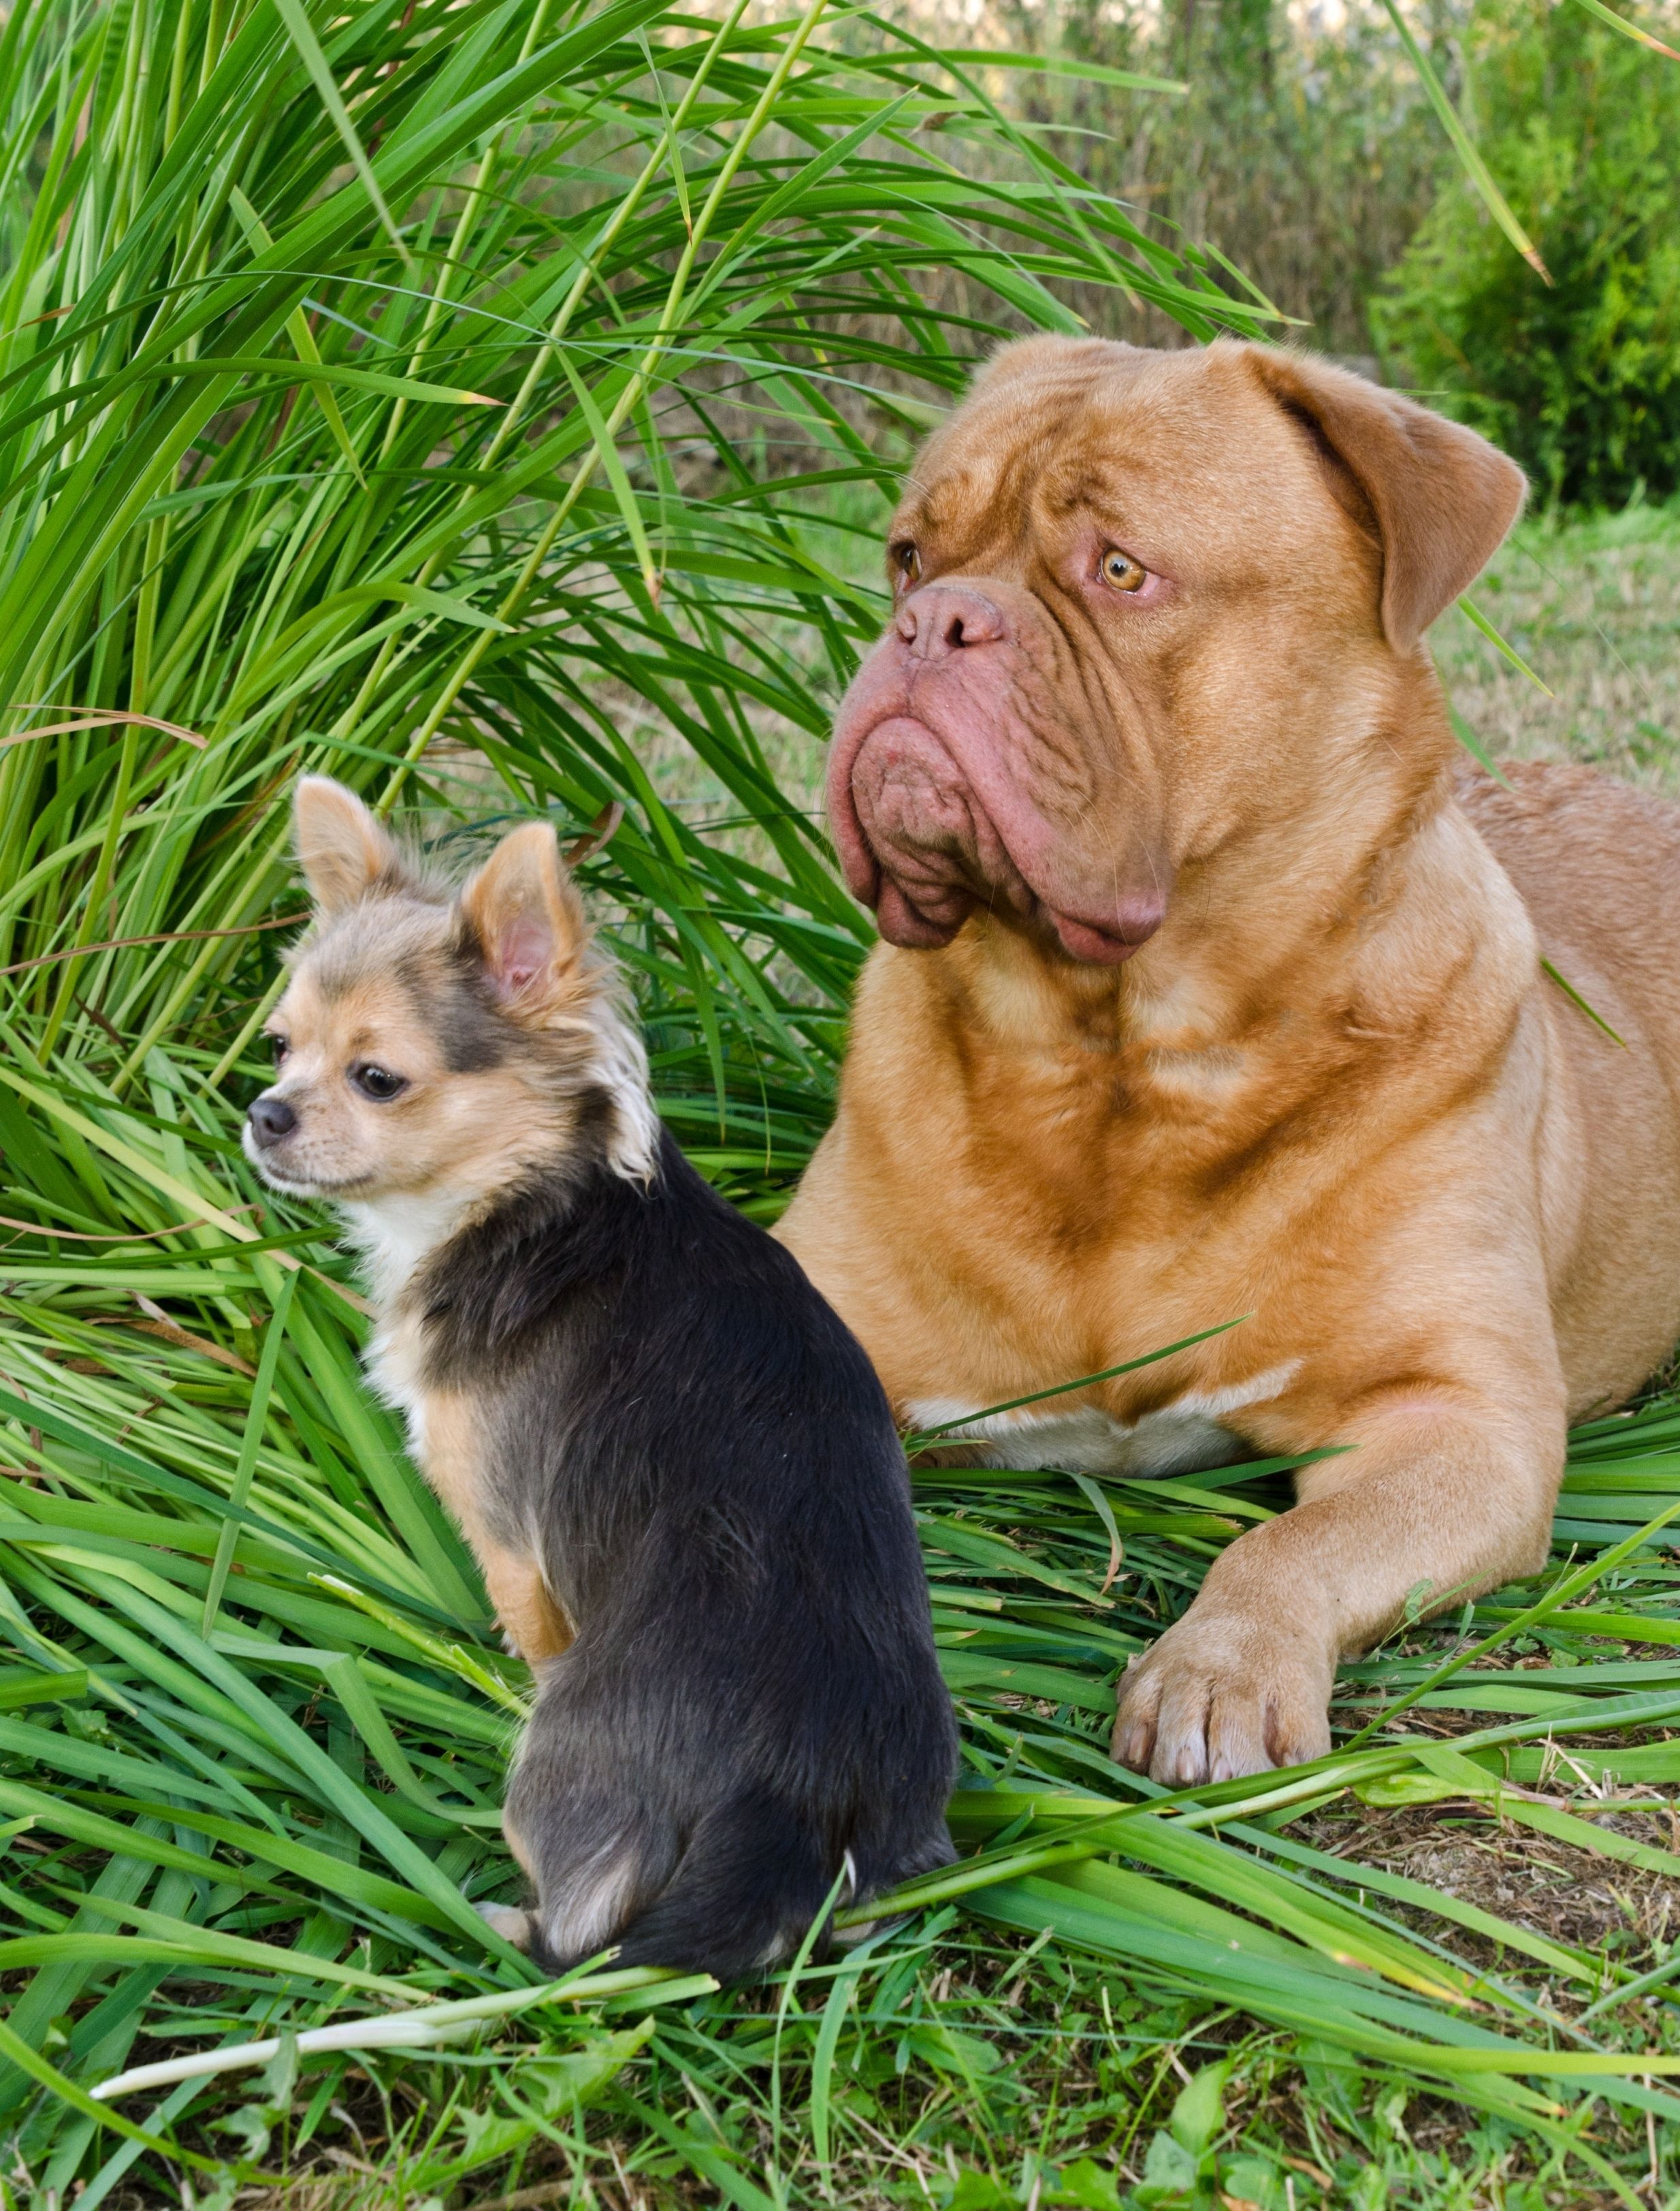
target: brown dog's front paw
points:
(1220, 1696)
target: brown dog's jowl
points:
(1212, 987)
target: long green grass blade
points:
(1634, 31)
(1474, 166)
(301, 32)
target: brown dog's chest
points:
(1049, 1228)
(998, 1211)
(1101, 1171)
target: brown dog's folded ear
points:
(343, 851)
(525, 910)
(1439, 497)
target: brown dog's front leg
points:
(1435, 1503)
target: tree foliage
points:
(1579, 379)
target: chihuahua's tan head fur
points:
(432, 1046)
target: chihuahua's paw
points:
(1223, 1694)
(507, 1920)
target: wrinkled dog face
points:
(1129, 586)
(428, 1046)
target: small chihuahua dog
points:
(674, 1463)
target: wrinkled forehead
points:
(1126, 435)
(388, 981)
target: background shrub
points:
(1305, 154)
(1579, 379)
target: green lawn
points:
(1594, 608)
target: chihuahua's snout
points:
(271, 1118)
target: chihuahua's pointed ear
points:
(525, 910)
(343, 851)
(1437, 499)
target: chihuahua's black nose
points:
(271, 1118)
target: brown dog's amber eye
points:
(908, 562)
(1124, 573)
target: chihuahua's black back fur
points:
(695, 1449)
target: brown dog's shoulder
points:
(1563, 796)
(1597, 864)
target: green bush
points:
(1579, 379)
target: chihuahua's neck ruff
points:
(608, 1119)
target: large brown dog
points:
(1210, 990)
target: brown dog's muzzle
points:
(950, 768)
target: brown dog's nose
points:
(944, 618)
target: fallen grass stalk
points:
(412, 2030)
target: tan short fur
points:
(1333, 1091)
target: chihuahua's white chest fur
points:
(396, 1236)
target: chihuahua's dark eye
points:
(377, 1082)
(281, 1047)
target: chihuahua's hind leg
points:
(535, 1624)
(589, 1859)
